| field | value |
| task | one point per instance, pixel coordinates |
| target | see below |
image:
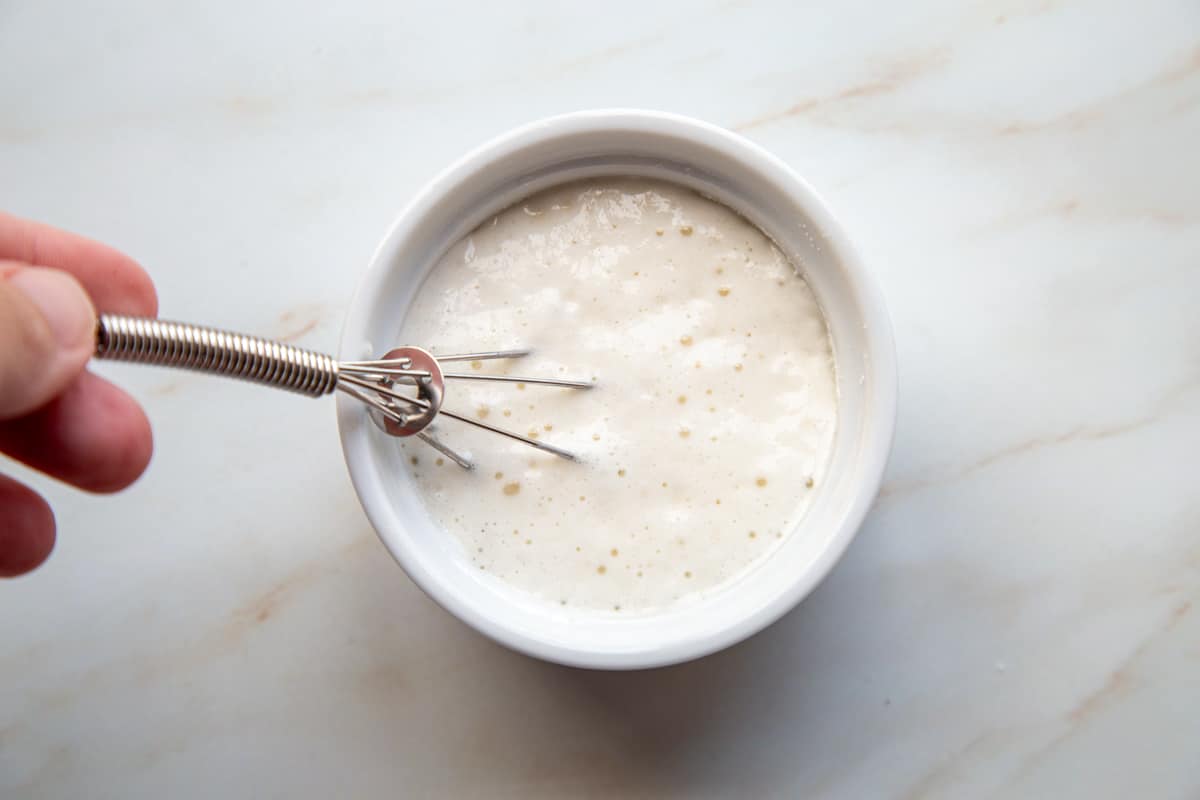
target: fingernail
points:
(62, 301)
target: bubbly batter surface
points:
(709, 429)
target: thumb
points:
(47, 335)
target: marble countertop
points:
(1017, 617)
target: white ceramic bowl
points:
(744, 177)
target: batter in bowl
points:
(710, 426)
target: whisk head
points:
(378, 384)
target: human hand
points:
(55, 416)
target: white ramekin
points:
(735, 172)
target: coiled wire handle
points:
(234, 355)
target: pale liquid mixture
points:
(710, 426)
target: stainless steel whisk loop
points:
(375, 383)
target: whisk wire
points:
(549, 448)
(467, 376)
(487, 356)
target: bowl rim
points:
(877, 332)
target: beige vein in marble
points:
(1166, 405)
(1119, 685)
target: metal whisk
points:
(375, 383)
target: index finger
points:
(115, 281)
